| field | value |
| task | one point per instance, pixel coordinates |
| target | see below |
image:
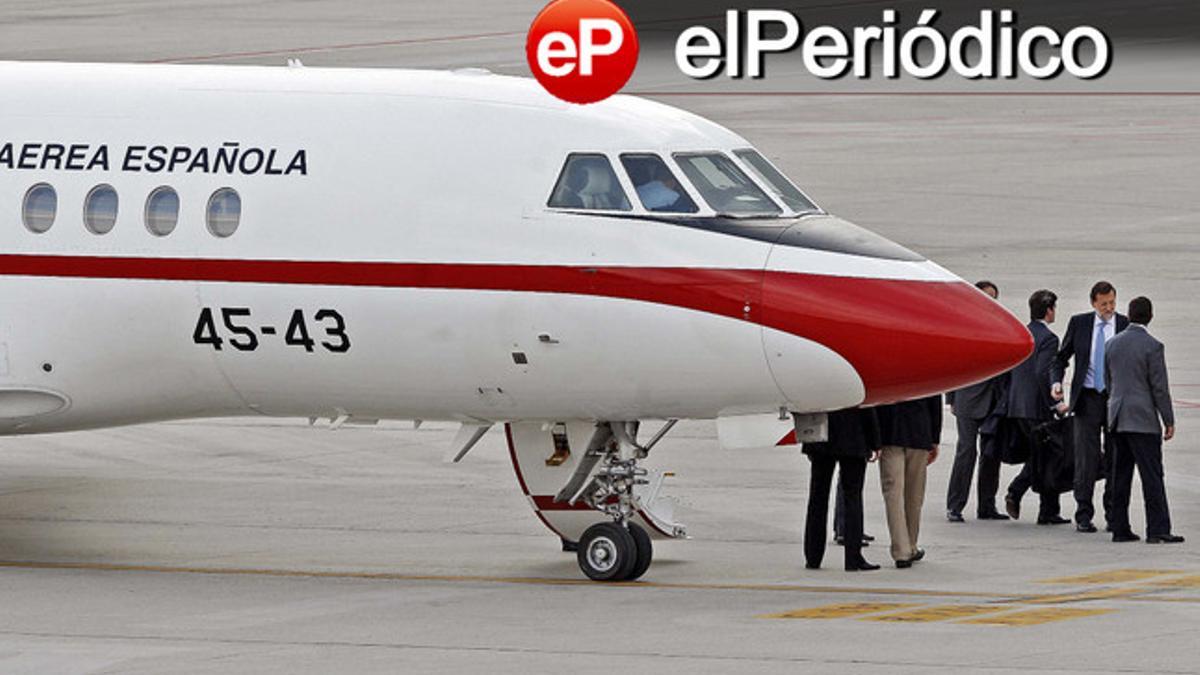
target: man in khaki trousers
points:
(910, 432)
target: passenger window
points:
(162, 211)
(784, 188)
(224, 212)
(726, 188)
(656, 186)
(100, 209)
(587, 181)
(39, 208)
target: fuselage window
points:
(39, 208)
(100, 209)
(162, 211)
(656, 186)
(224, 212)
(726, 188)
(784, 188)
(587, 181)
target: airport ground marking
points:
(1111, 577)
(1084, 596)
(1189, 581)
(840, 611)
(1034, 617)
(938, 613)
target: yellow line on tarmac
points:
(840, 611)
(938, 613)
(1111, 577)
(1101, 594)
(1034, 617)
(538, 581)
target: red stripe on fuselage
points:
(905, 338)
(717, 291)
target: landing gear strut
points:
(619, 550)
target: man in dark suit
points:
(1086, 338)
(1135, 375)
(1029, 402)
(971, 406)
(910, 432)
(853, 441)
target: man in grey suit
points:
(1029, 403)
(1135, 374)
(971, 406)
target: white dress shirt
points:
(1089, 380)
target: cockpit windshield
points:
(656, 186)
(779, 183)
(726, 188)
(588, 181)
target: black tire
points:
(606, 552)
(645, 551)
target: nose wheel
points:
(614, 552)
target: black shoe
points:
(839, 540)
(1085, 527)
(903, 564)
(919, 555)
(812, 566)
(1012, 507)
(1164, 539)
(860, 566)
(1108, 527)
(868, 537)
(1053, 520)
(954, 517)
(992, 515)
(1120, 537)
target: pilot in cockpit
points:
(591, 185)
(656, 185)
(659, 193)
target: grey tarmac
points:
(272, 546)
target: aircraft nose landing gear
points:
(619, 550)
(604, 506)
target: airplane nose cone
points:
(905, 338)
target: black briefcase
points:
(1053, 456)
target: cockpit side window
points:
(657, 187)
(588, 182)
(784, 188)
(726, 188)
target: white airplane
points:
(203, 241)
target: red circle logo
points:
(582, 51)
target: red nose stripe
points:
(905, 338)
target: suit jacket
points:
(1029, 386)
(911, 424)
(1135, 373)
(1078, 343)
(977, 400)
(853, 432)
